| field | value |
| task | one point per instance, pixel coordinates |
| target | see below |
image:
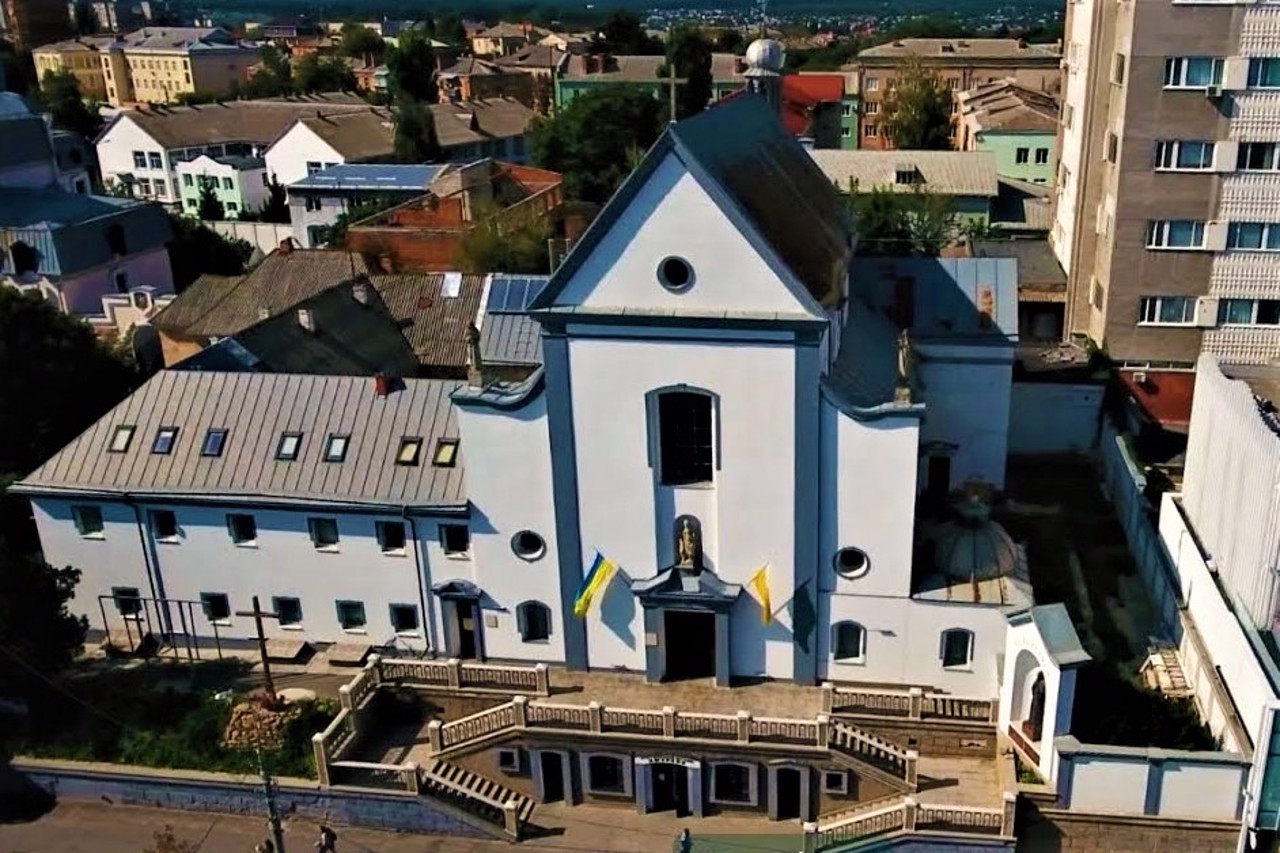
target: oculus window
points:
(675, 274)
(528, 545)
(852, 562)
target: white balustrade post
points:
(454, 672)
(511, 818)
(810, 836)
(909, 809)
(520, 705)
(344, 697)
(595, 715)
(913, 772)
(744, 727)
(828, 697)
(435, 737)
(915, 703)
(374, 670)
(543, 679)
(322, 761)
(1010, 813)
(668, 721)
(824, 731)
(410, 775)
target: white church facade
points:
(765, 437)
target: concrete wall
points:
(266, 236)
(1052, 418)
(967, 395)
(1045, 830)
(1005, 146)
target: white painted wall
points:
(509, 485)
(288, 156)
(730, 273)
(1025, 656)
(1196, 790)
(1077, 43)
(1108, 785)
(1116, 780)
(747, 516)
(115, 156)
(967, 404)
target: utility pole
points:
(268, 784)
(258, 615)
(273, 814)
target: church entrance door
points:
(671, 789)
(690, 644)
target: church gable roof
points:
(761, 179)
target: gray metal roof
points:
(257, 408)
(971, 173)
(1059, 634)
(511, 339)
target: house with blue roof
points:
(317, 200)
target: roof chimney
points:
(360, 290)
(381, 385)
(306, 319)
(475, 365)
(286, 245)
(264, 312)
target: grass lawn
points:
(158, 716)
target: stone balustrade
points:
(908, 816)
(910, 704)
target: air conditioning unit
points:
(1213, 92)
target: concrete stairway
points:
(874, 756)
(491, 801)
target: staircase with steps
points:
(874, 756)
(478, 795)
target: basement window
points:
(509, 760)
(733, 783)
(835, 782)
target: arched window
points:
(533, 621)
(956, 648)
(682, 430)
(848, 642)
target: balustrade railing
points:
(478, 725)
(912, 704)
(909, 815)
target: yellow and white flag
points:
(759, 584)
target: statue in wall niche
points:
(688, 546)
(902, 393)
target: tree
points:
(415, 140)
(276, 207)
(917, 110)
(210, 209)
(360, 42)
(336, 234)
(890, 223)
(624, 35)
(412, 68)
(273, 79)
(86, 22)
(730, 41)
(39, 637)
(448, 28)
(60, 97)
(508, 241)
(315, 73)
(196, 249)
(588, 141)
(689, 56)
(19, 68)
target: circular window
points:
(528, 545)
(852, 562)
(675, 274)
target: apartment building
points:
(1169, 176)
(156, 65)
(82, 58)
(962, 63)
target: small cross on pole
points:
(258, 615)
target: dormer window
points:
(214, 441)
(121, 438)
(410, 451)
(335, 449)
(446, 454)
(290, 444)
(906, 175)
(164, 441)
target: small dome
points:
(766, 55)
(972, 546)
(13, 106)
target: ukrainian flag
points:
(760, 583)
(596, 580)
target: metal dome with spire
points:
(765, 56)
(972, 547)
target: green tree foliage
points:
(730, 41)
(505, 241)
(415, 139)
(210, 209)
(60, 97)
(38, 635)
(360, 42)
(689, 54)
(276, 207)
(273, 79)
(589, 140)
(412, 68)
(314, 73)
(448, 29)
(86, 22)
(624, 35)
(197, 249)
(56, 378)
(19, 68)
(336, 234)
(890, 223)
(917, 110)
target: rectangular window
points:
(88, 520)
(311, 203)
(731, 783)
(243, 528)
(161, 187)
(155, 161)
(214, 441)
(605, 775)
(871, 84)
(139, 160)
(446, 453)
(351, 615)
(1264, 72)
(1118, 69)
(232, 206)
(288, 611)
(164, 525)
(1042, 156)
(217, 607)
(872, 108)
(404, 618)
(1258, 156)
(228, 184)
(187, 181)
(835, 782)
(290, 444)
(313, 167)
(685, 443)
(164, 440)
(1184, 155)
(410, 450)
(191, 202)
(127, 599)
(846, 111)
(1113, 148)
(1167, 311)
(1254, 236)
(391, 537)
(846, 133)
(324, 533)
(957, 648)
(870, 131)
(335, 449)
(455, 539)
(1249, 312)
(121, 438)
(1175, 234)
(1192, 72)
(1022, 155)
(144, 187)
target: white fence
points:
(262, 235)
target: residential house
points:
(471, 79)
(585, 72)
(240, 184)
(76, 161)
(967, 177)
(503, 39)
(472, 130)
(158, 65)
(1017, 124)
(961, 63)
(459, 517)
(424, 235)
(543, 63)
(82, 58)
(71, 247)
(316, 201)
(373, 78)
(567, 42)
(141, 148)
(316, 142)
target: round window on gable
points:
(852, 562)
(528, 545)
(675, 274)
